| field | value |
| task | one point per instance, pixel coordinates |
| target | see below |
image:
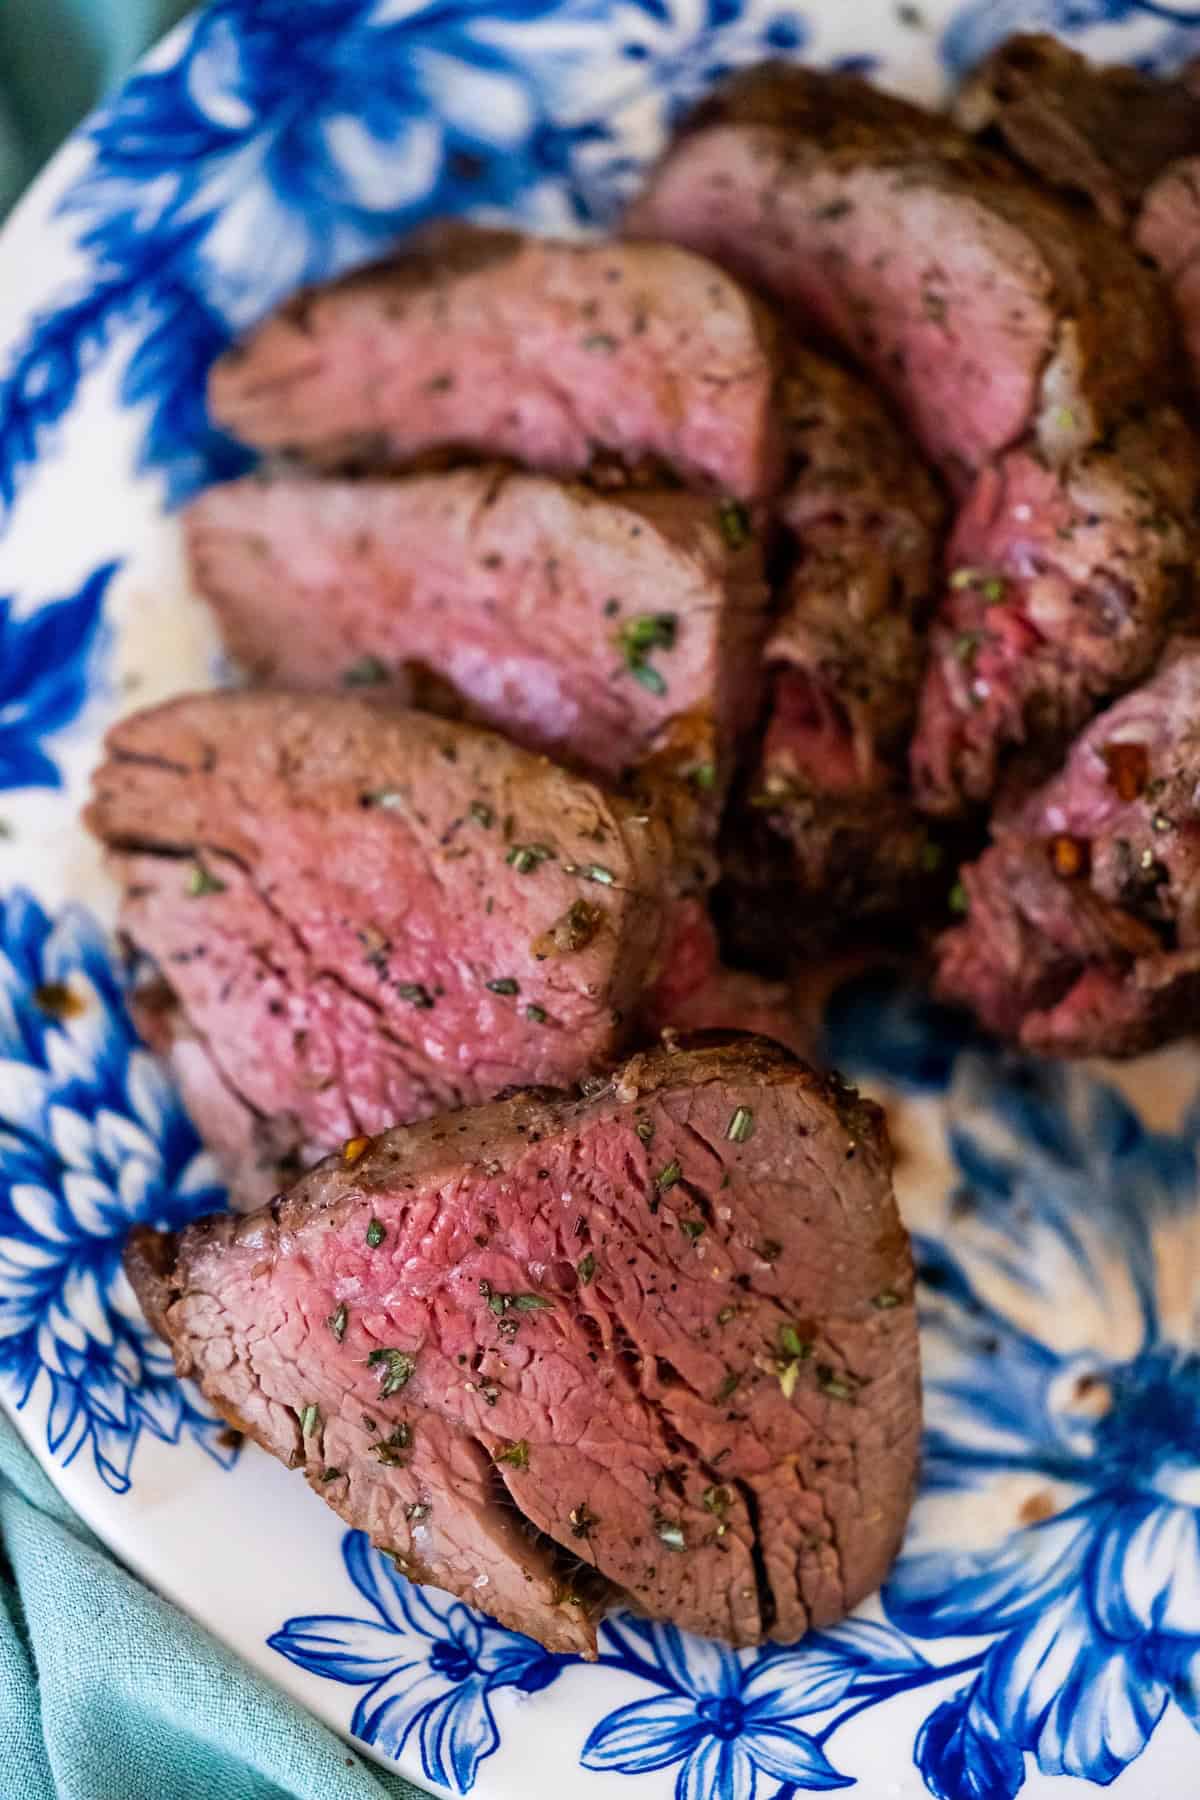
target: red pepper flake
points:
(1128, 768)
(1069, 855)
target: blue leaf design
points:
(428, 1664)
(166, 374)
(43, 377)
(45, 661)
(91, 1141)
(960, 1764)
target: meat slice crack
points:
(712, 1408)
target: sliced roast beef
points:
(846, 654)
(668, 1326)
(987, 308)
(1082, 933)
(1061, 589)
(608, 628)
(694, 991)
(367, 914)
(1103, 131)
(549, 353)
(1168, 231)
(1126, 140)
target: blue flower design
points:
(428, 1664)
(46, 658)
(92, 1140)
(726, 1719)
(252, 157)
(1063, 1388)
(1154, 33)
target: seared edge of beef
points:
(813, 187)
(1080, 933)
(760, 1513)
(1061, 588)
(368, 914)
(493, 344)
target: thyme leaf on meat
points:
(368, 671)
(526, 858)
(670, 1532)
(416, 994)
(337, 1322)
(638, 638)
(391, 1450)
(375, 1235)
(202, 881)
(741, 1125)
(734, 524)
(517, 1454)
(395, 1369)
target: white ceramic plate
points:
(1043, 1625)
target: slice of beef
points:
(1061, 590)
(1082, 935)
(865, 519)
(545, 352)
(986, 307)
(609, 628)
(693, 991)
(1168, 231)
(367, 914)
(847, 650)
(1126, 140)
(1104, 132)
(672, 1320)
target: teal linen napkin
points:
(107, 1692)
(57, 59)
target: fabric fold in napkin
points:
(108, 1692)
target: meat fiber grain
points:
(1081, 934)
(668, 1326)
(988, 309)
(367, 915)
(549, 353)
(1061, 589)
(605, 628)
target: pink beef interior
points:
(526, 596)
(1061, 588)
(541, 351)
(1080, 936)
(675, 1320)
(982, 305)
(357, 907)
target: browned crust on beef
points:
(1104, 132)
(351, 909)
(1113, 337)
(806, 1571)
(707, 420)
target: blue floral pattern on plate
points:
(428, 1664)
(1059, 1319)
(47, 671)
(1065, 1207)
(92, 1140)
